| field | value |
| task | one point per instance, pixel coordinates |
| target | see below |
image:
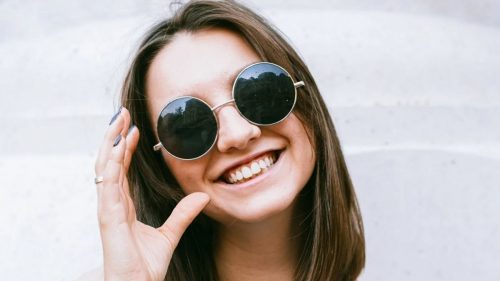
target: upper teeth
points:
(247, 171)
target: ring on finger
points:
(98, 179)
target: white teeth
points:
(239, 175)
(248, 171)
(255, 168)
(233, 178)
(267, 161)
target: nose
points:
(235, 132)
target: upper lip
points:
(243, 161)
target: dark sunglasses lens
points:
(187, 128)
(264, 93)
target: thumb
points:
(182, 216)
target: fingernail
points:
(117, 140)
(130, 129)
(115, 116)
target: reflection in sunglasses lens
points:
(264, 93)
(187, 128)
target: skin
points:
(204, 65)
(131, 249)
(256, 220)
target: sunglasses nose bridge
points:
(222, 104)
(234, 132)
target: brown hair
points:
(333, 245)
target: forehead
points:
(202, 64)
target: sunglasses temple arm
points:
(299, 84)
(157, 146)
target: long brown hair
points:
(333, 245)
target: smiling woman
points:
(213, 58)
(237, 173)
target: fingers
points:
(112, 203)
(113, 162)
(119, 126)
(182, 216)
(132, 141)
(126, 117)
(131, 215)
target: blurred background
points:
(413, 87)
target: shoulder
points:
(96, 274)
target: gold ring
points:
(98, 179)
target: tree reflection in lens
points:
(187, 127)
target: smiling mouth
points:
(251, 169)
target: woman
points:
(229, 115)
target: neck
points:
(266, 250)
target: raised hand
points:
(133, 250)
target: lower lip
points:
(256, 180)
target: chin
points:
(257, 210)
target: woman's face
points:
(204, 64)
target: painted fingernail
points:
(116, 115)
(130, 129)
(117, 140)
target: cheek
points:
(300, 140)
(187, 173)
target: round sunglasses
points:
(264, 94)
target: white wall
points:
(414, 90)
